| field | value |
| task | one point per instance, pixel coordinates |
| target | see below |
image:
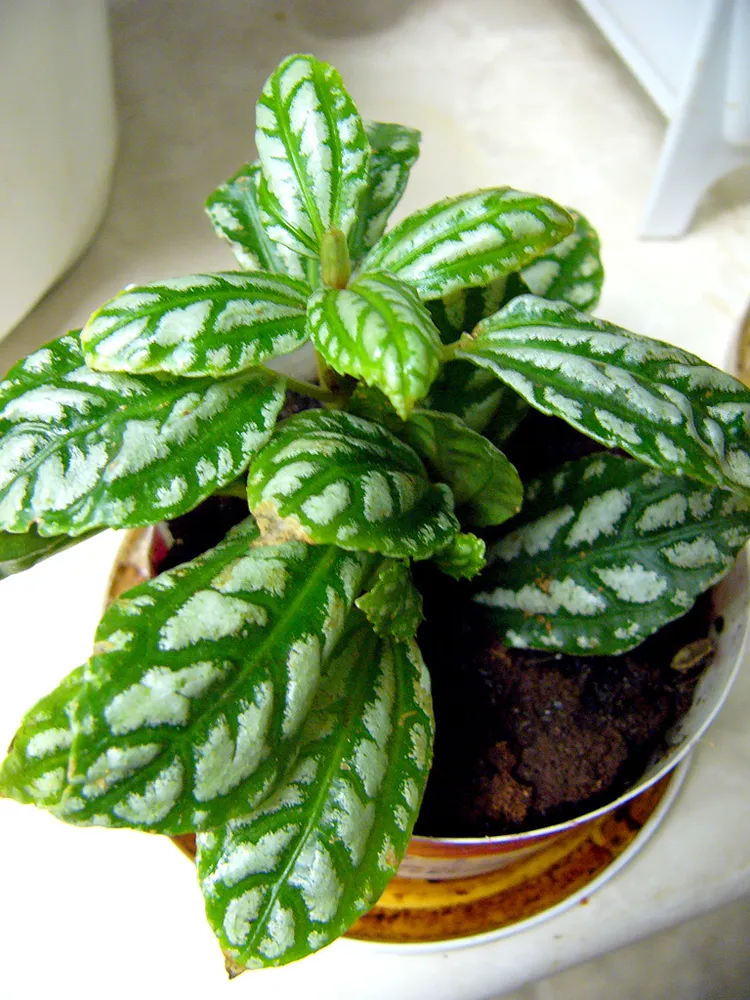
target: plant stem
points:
(310, 389)
(236, 488)
(448, 351)
(335, 266)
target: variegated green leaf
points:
(378, 330)
(462, 309)
(485, 485)
(314, 153)
(297, 872)
(392, 603)
(370, 403)
(200, 682)
(393, 152)
(469, 240)
(202, 324)
(507, 417)
(36, 766)
(464, 558)
(19, 552)
(657, 402)
(81, 450)
(235, 213)
(475, 395)
(571, 271)
(606, 552)
(329, 477)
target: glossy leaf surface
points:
(468, 240)
(469, 392)
(571, 271)
(290, 877)
(235, 213)
(200, 682)
(657, 402)
(393, 152)
(392, 603)
(606, 552)
(378, 330)
(202, 324)
(332, 478)
(462, 309)
(81, 449)
(485, 485)
(464, 558)
(314, 153)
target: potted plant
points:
(269, 695)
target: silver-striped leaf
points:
(37, 763)
(235, 214)
(329, 477)
(393, 152)
(607, 551)
(486, 487)
(377, 330)
(571, 271)
(292, 876)
(370, 403)
(461, 309)
(19, 552)
(200, 682)
(464, 558)
(477, 397)
(392, 603)
(314, 153)
(203, 324)
(468, 240)
(80, 449)
(657, 402)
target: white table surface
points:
(91, 912)
(81, 907)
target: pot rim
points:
(738, 576)
(649, 828)
(134, 553)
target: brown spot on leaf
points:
(275, 530)
(233, 968)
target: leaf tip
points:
(232, 966)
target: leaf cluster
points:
(270, 695)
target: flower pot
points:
(57, 115)
(458, 888)
(447, 858)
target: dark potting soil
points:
(523, 738)
(526, 738)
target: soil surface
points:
(523, 738)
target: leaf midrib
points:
(116, 415)
(356, 685)
(213, 705)
(493, 216)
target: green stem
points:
(309, 389)
(236, 488)
(448, 351)
(323, 371)
(335, 266)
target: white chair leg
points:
(696, 152)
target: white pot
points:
(457, 891)
(57, 121)
(444, 858)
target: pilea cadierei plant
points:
(270, 695)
